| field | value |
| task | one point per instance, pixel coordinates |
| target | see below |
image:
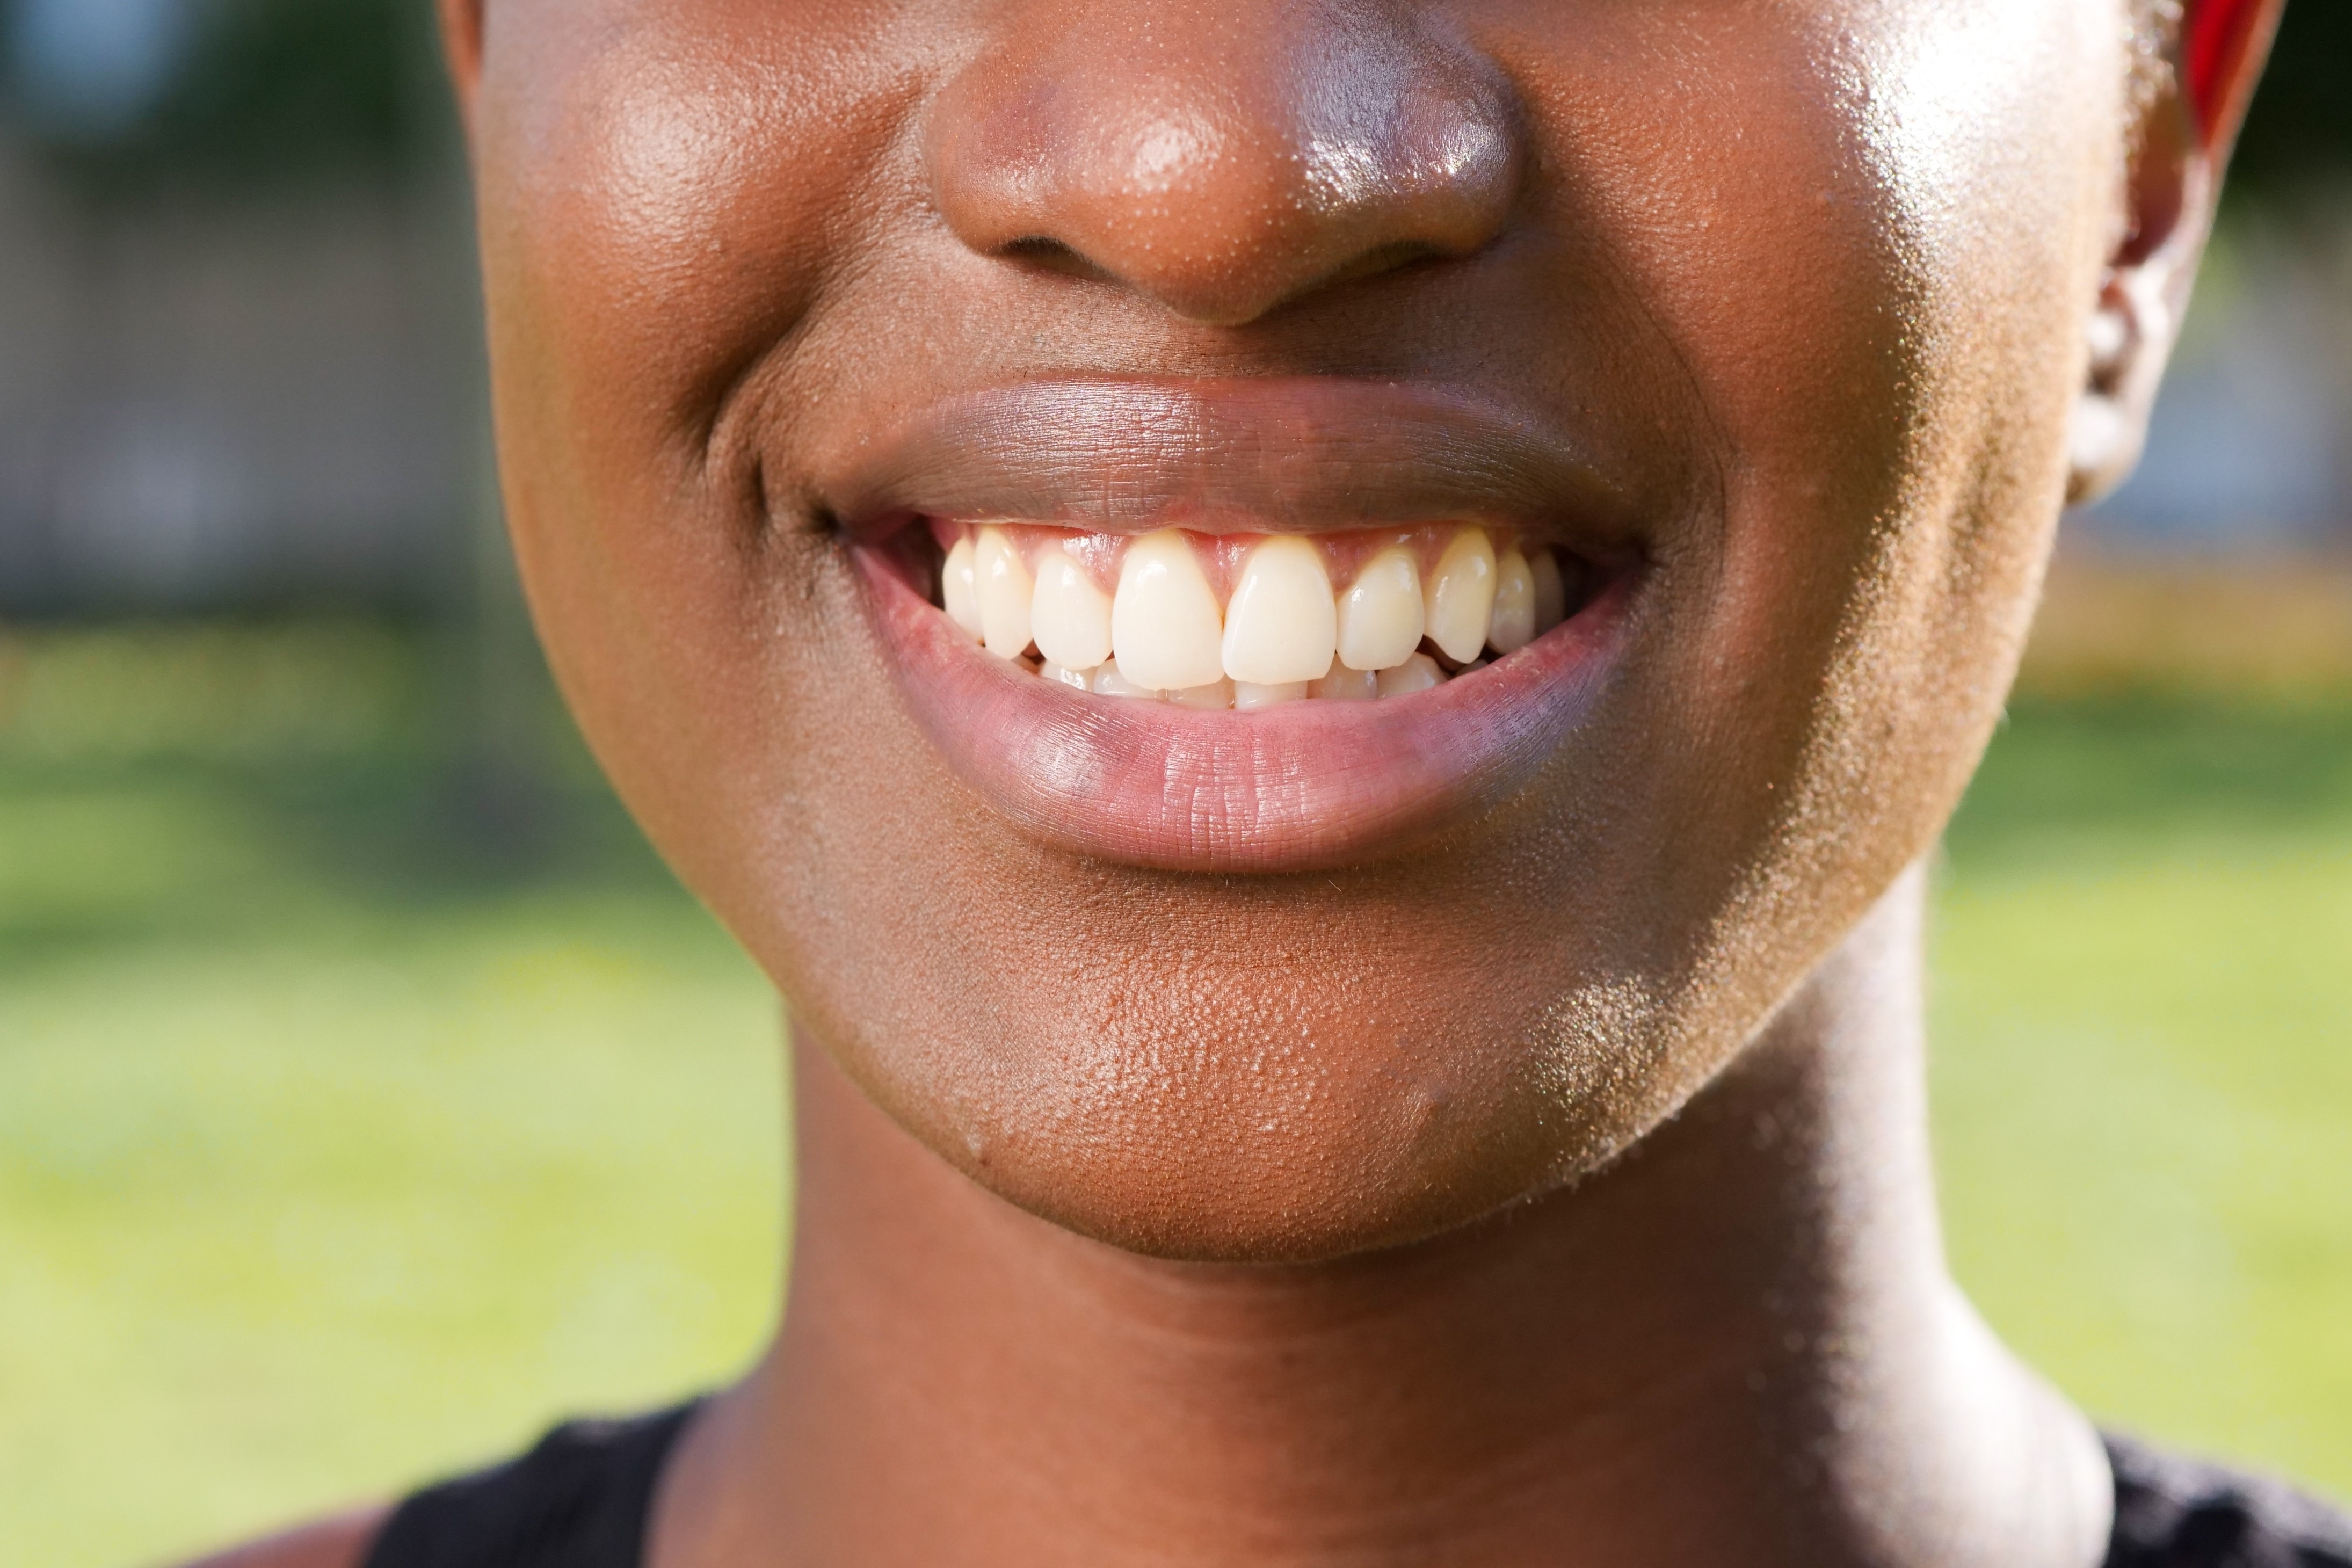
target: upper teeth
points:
(1380, 615)
(1281, 626)
(1282, 633)
(1164, 627)
(1007, 596)
(1511, 625)
(1458, 605)
(1070, 617)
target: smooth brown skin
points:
(1553, 1192)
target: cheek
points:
(1870, 244)
(663, 189)
(1985, 135)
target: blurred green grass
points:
(359, 1112)
(2143, 1030)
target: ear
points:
(461, 47)
(2178, 151)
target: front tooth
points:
(1346, 685)
(1511, 625)
(1164, 627)
(1069, 616)
(1281, 626)
(1461, 596)
(1109, 682)
(1380, 614)
(1218, 695)
(1250, 694)
(1418, 673)
(1551, 592)
(1084, 679)
(959, 588)
(1006, 591)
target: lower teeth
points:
(1417, 604)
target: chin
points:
(1270, 1115)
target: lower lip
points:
(1305, 786)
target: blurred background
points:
(369, 1096)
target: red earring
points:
(2218, 34)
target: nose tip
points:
(1225, 159)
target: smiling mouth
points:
(1246, 622)
(1245, 626)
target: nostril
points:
(1401, 256)
(1048, 255)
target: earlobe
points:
(2168, 199)
(461, 47)
(2180, 145)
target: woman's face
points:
(1760, 320)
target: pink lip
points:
(1306, 786)
(1309, 785)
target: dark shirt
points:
(2176, 1513)
(582, 1498)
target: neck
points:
(1737, 1345)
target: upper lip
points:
(1242, 455)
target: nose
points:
(1224, 157)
